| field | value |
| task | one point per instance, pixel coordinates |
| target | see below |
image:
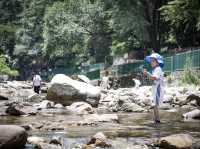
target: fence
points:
(172, 64)
(179, 61)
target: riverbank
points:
(123, 116)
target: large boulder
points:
(65, 90)
(12, 137)
(84, 78)
(177, 141)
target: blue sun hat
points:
(156, 56)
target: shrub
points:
(5, 69)
(190, 76)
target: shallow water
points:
(132, 127)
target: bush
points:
(5, 69)
(190, 76)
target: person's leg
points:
(37, 89)
(156, 114)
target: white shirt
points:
(105, 82)
(158, 86)
(37, 80)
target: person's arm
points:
(152, 77)
(33, 81)
(40, 81)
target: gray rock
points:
(34, 140)
(44, 89)
(81, 108)
(59, 106)
(48, 146)
(65, 90)
(19, 109)
(34, 98)
(3, 97)
(178, 141)
(12, 137)
(45, 104)
(56, 140)
(99, 140)
(131, 107)
(14, 91)
(195, 114)
(94, 118)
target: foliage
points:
(184, 19)
(9, 16)
(190, 76)
(76, 27)
(47, 34)
(5, 69)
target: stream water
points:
(132, 128)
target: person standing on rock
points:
(157, 76)
(37, 83)
(105, 81)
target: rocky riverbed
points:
(96, 118)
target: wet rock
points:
(165, 106)
(45, 104)
(132, 107)
(193, 97)
(81, 108)
(12, 137)
(58, 106)
(65, 90)
(3, 97)
(34, 98)
(56, 140)
(36, 140)
(195, 114)
(27, 127)
(101, 118)
(99, 140)
(196, 145)
(44, 89)
(178, 141)
(48, 146)
(19, 109)
(92, 101)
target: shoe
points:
(157, 121)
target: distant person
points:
(137, 82)
(157, 76)
(37, 83)
(105, 81)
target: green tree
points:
(9, 17)
(184, 19)
(78, 27)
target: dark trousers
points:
(37, 89)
